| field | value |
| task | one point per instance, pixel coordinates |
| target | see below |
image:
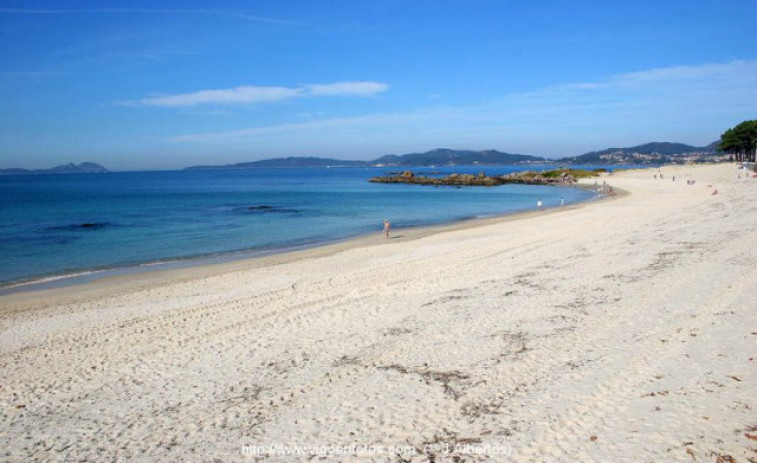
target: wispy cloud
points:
(348, 88)
(726, 74)
(238, 95)
(263, 19)
(683, 103)
(254, 94)
(207, 11)
(677, 73)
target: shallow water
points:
(58, 224)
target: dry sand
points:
(621, 330)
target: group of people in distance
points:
(540, 204)
(688, 182)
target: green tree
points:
(740, 141)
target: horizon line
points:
(367, 161)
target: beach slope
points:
(620, 330)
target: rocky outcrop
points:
(552, 177)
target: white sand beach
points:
(618, 330)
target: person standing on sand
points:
(387, 228)
(562, 201)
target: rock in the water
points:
(93, 225)
(559, 176)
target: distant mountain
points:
(437, 157)
(649, 153)
(83, 168)
(448, 157)
(287, 162)
(714, 146)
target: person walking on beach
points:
(562, 201)
(387, 228)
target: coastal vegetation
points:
(741, 141)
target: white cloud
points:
(348, 88)
(252, 94)
(238, 95)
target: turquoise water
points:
(61, 224)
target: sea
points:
(68, 228)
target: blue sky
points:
(158, 84)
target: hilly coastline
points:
(83, 168)
(287, 162)
(649, 153)
(450, 157)
(435, 157)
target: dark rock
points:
(82, 226)
(93, 225)
(527, 177)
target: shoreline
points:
(92, 276)
(597, 331)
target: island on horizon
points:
(82, 168)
